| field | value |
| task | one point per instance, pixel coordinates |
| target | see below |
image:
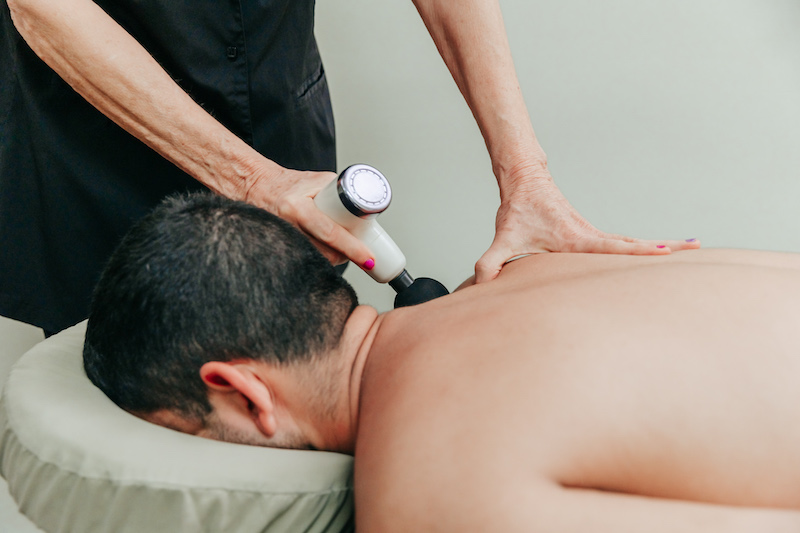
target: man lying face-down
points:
(572, 393)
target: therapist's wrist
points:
(523, 177)
(241, 173)
(225, 164)
(264, 181)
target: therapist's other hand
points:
(535, 217)
(290, 194)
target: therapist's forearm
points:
(471, 38)
(114, 73)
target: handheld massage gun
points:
(354, 201)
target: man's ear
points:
(239, 379)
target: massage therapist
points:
(107, 106)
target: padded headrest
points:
(75, 462)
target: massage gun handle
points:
(389, 260)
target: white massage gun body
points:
(354, 201)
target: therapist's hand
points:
(289, 194)
(534, 217)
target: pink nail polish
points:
(661, 246)
(369, 264)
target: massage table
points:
(75, 462)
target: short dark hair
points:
(204, 278)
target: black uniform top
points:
(72, 182)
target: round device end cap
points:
(364, 190)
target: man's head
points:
(199, 296)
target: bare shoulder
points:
(426, 429)
(420, 462)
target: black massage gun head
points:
(420, 291)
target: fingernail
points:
(691, 240)
(661, 246)
(369, 264)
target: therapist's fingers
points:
(620, 244)
(499, 253)
(677, 245)
(620, 247)
(289, 194)
(647, 244)
(335, 242)
(488, 266)
(686, 244)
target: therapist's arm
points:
(533, 216)
(114, 73)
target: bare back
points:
(673, 377)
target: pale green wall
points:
(660, 119)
